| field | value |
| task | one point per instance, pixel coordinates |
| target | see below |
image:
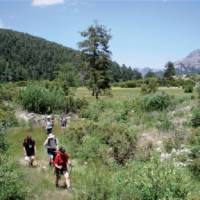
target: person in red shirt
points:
(61, 163)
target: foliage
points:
(129, 84)
(94, 184)
(95, 50)
(158, 101)
(68, 75)
(195, 153)
(112, 141)
(169, 70)
(150, 86)
(3, 143)
(153, 180)
(7, 116)
(150, 74)
(25, 57)
(188, 86)
(11, 180)
(39, 99)
(198, 89)
(195, 118)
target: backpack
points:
(52, 143)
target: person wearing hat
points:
(61, 163)
(49, 125)
(51, 144)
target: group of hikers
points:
(58, 157)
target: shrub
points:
(168, 144)
(8, 92)
(11, 180)
(93, 111)
(195, 118)
(198, 90)
(3, 143)
(152, 180)
(95, 183)
(188, 88)
(151, 86)
(39, 99)
(195, 163)
(116, 141)
(7, 116)
(158, 101)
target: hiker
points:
(29, 150)
(51, 144)
(62, 164)
(49, 125)
(63, 121)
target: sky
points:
(145, 33)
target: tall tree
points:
(169, 70)
(136, 74)
(150, 74)
(95, 51)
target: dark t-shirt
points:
(29, 147)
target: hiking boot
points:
(69, 189)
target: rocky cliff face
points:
(189, 64)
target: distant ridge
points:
(25, 57)
(189, 64)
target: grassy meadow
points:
(113, 146)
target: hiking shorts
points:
(49, 130)
(51, 153)
(60, 172)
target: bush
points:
(8, 92)
(95, 183)
(39, 99)
(188, 88)
(195, 118)
(7, 116)
(156, 102)
(103, 141)
(93, 111)
(151, 86)
(195, 163)
(11, 181)
(198, 90)
(152, 180)
(3, 143)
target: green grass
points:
(126, 93)
(40, 181)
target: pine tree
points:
(169, 70)
(96, 53)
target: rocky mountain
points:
(189, 64)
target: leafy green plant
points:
(195, 118)
(158, 101)
(152, 180)
(119, 141)
(11, 180)
(150, 86)
(39, 99)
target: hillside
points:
(189, 64)
(25, 57)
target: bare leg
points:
(57, 180)
(67, 179)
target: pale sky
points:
(145, 33)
